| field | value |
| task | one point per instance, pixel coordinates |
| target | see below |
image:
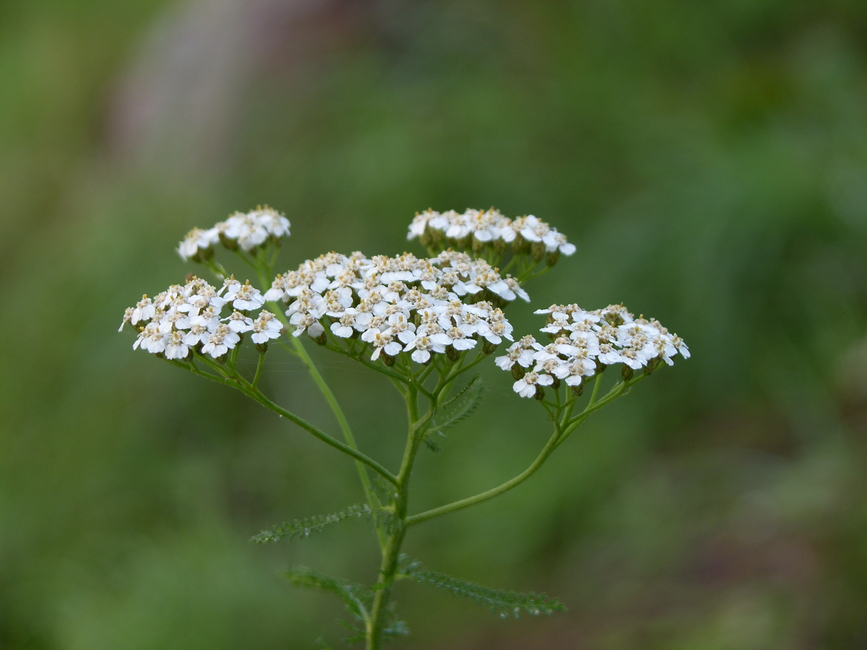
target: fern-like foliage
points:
(459, 407)
(358, 599)
(304, 527)
(504, 603)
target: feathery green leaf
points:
(504, 603)
(473, 388)
(304, 527)
(458, 407)
(356, 597)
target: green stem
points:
(490, 494)
(319, 380)
(236, 381)
(616, 391)
(397, 532)
(216, 268)
(259, 366)
(561, 432)
(368, 363)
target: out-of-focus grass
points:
(710, 162)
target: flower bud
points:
(427, 237)
(540, 394)
(652, 365)
(578, 390)
(488, 347)
(552, 258)
(520, 245)
(537, 250)
(626, 372)
(231, 244)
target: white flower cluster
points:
(487, 227)
(245, 230)
(444, 304)
(189, 318)
(583, 342)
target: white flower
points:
(175, 346)
(208, 318)
(238, 322)
(455, 337)
(127, 316)
(220, 341)
(305, 322)
(272, 221)
(151, 339)
(526, 385)
(266, 327)
(197, 334)
(381, 341)
(143, 310)
(345, 327)
(521, 352)
(422, 346)
(196, 241)
(242, 296)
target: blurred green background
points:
(708, 159)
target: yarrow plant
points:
(423, 322)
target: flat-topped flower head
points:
(584, 342)
(246, 231)
(198, 244)
(399, 305)
(185, 319)
(489, 231)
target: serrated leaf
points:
(459, 407)
(474, 384)
(356, 597)
(504, 603)
(432, 444)
(304, 527)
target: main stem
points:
(397, 531)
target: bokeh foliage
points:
(708, 159)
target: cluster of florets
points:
(403, 304)
(247, 231)
(584, 343)
(489, 229)
(188, 318)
